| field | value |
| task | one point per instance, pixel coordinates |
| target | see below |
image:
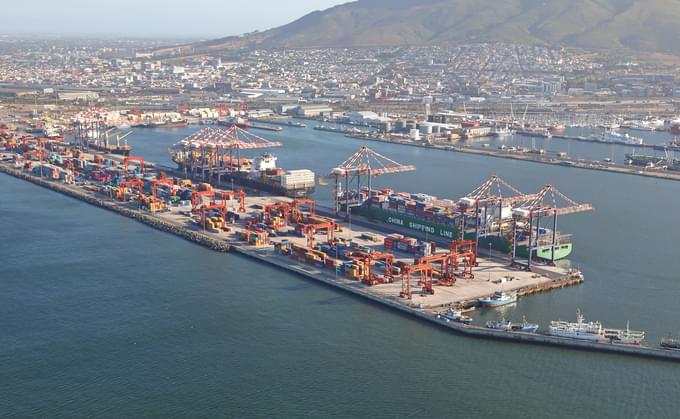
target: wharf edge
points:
(312, 273)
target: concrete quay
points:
(422, 307)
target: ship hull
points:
(262, 185)
(448, 231)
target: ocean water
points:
(104, 317)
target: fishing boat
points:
(498, 299)
(454, 316)
(508, 326)
(525, 326)
(498, 324)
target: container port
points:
(416, 276)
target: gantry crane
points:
(277, 209)
(464, 251)
(208, 149)
(219, 207)
(366, 261)
(298, 205)
(197, 198)
(487, 203)
(548, 202)
(162, 181)
(309, 230)
(364, 162)
(425, 272)
(138, 160)
(131, 184)
(229, 195)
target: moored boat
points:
(508, 326)
(594, 331)
(670, 342)
(455, 316)
(499, 298)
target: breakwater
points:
(74, 192)
(354, 287)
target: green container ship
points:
(449, 230)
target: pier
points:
(423, 307)
(535, 158)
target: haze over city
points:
(379, 209)
(159, 18)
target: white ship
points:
(609, 136)
(594, 331)
(578, 330)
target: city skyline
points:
(152, 19)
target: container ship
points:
(643, 160)
(260, 173)
(442, 218)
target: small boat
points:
(498, 324)
(454, 316)
(525, 326)
(503, 324)
(670, 342)
(499, 298)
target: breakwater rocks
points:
(144, 218)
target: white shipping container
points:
(298, 178)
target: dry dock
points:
(424, 307)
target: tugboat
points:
(455, 316)
(498, 299)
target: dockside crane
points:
(486, 204)
(207, 150)
(549, 202)
(365, 162)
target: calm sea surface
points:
(101, 316)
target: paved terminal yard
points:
(491, 275)
(176, 220)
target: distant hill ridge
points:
(646, 25)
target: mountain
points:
(646, 25)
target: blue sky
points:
(194, 18)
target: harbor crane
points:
(210, 151)
(549, 202)
(485, 206)
(365, 162)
